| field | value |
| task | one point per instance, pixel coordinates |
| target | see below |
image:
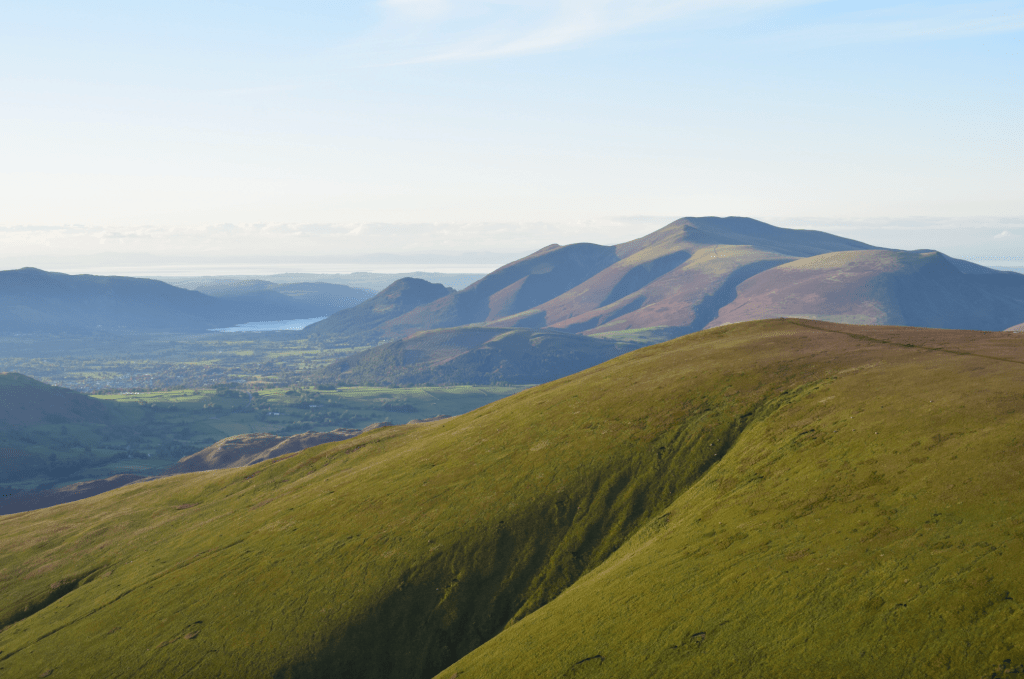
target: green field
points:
(155, 362)
(229, 411)
(766, 499)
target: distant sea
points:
(266, 326)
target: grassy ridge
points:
(719, 503)
(876, 530)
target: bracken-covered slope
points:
(475, 355)
(765, 499)
(882, 287)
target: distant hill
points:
(882, 287)
(256, 296)
(367, 281)
(782, 498)
(29, 407)
(34, 301)
(24, 400)
(475, 355)
(362, 323)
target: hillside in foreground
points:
(774, 498)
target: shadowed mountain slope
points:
(24, 400)
(883, 287)
(32, 301)
(39, 424)
(775, 498)
(16, 502)
(475, 355)
(361, 324)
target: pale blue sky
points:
(279, 131)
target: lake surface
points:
(266, 326)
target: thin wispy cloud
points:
(463, 30)
(453, 30)
(914, 21)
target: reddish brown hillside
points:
(678, 276)
(882, 287)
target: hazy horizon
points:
(206, 134)
(991, 242)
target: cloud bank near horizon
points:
(463, 246)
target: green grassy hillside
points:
(776, 498)
(475, 355)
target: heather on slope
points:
(772, 498)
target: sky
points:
(262, 136)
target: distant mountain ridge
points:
(699, 272)
(32, 300)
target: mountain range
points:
(36, 301)
(769, 498)
(696, 273)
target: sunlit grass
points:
(718, 505)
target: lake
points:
(265, 326)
